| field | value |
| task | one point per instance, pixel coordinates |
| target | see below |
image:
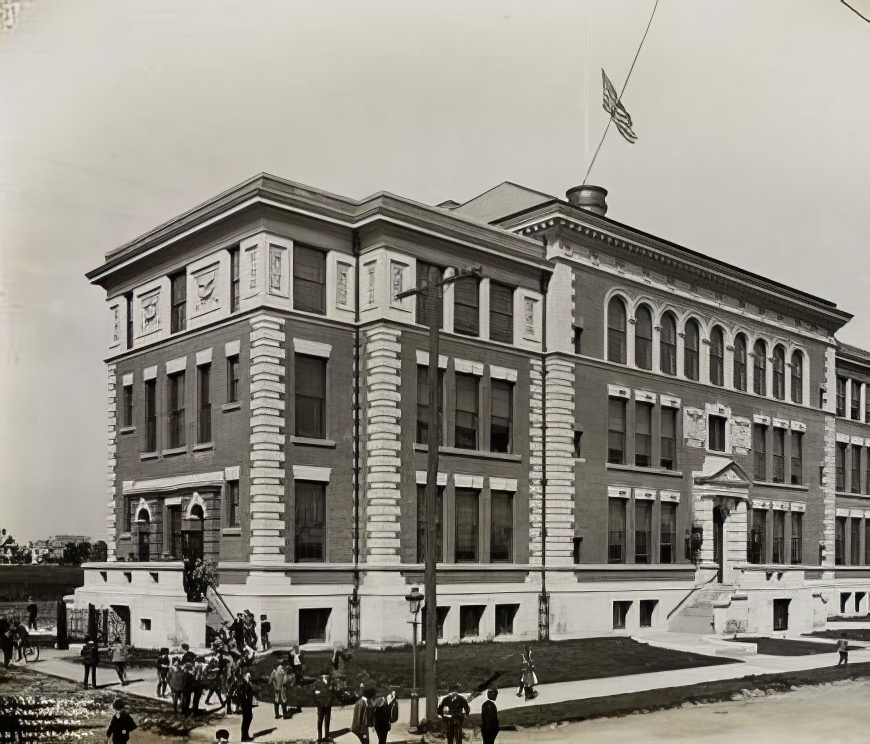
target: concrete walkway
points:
(303, 726)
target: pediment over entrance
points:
(722, 471)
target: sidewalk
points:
(303, 726)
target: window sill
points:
(312, 442)
(849, 493)
(149, 455)
(126, 430)
(203, 447)
(227, 407)
(579, 460)
(231, 531)
(639, 469)
(174, 451)
(461, 452)
(786, 486)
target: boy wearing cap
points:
(121, 725)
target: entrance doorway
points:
(718, 542)
(192, 535)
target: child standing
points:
(843, 648)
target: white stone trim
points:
(761, 504)
(420, 478)
(462, 480)
(196, 500)
(423, 359)
(843, 438)
(780, 506)
(176, 365)
(466, 366)
(647, 494)
(645, 396)
(139, 507)
(669, 401)
(758, 418)
(503, 484)
(203, 357)
(780, 424)
(618, 391)
(618, 492)
(232, 348)
(127, 380)
(670, 496)
(311, 348)
(502, 373)
(232, 473)
(842, 512)
(856, 440)
(149, 373)
(311, 473)
(798, 426)
(857, 513)
(172, 501)
(798, 506)
(173, 483)
(717, 409)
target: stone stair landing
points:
(696, 615)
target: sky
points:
(118, 115)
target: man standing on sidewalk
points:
(32, 610)
(489, 717)
(91, 659)
(453, 709)
(843, 648)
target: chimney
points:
(590, 198)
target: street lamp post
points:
(415, 599)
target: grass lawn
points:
(788, 647)
(469, 665)
(853, 634)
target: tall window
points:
(173, 531)
(128, 301)
(797, 523)
(840, 467)
(668, 533)
(759, 368)
(716, 425)
(692, 350)
(668, 345)
(867, 471)
(841, 396)
(779, 536)
(797, 458)
(310, 396)
(839, 540)
(204, 403)
(779, 455)
(855, 484)
(757, 552)
(642, 531)
(176, 410)
(797, 377)
(310, 513)
(467, 406)
(855, 543)
(669, 439)
(234, 279)
(501, 416)
(233, 379)
(423, 281)
(867, 542)
(643, 435)
(466, 306)
(151, 415)
(616, 431)
(178, 302)
(717, 356)
(740, 362)
(467, 525)
(423, 418)
(232, 495)
(501, 539)
(616, 531)
(616, 331)
(855, 403)
(501, 313)
(309, 279)
(422, 531)
(127, 418)
(778, 372)
(759, 451)
(643, 337)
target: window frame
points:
(497, 312)
(127, 406)
(668, 345)
(643, 430)
(233, 378)
(759, 367)
(176, 418)
(235, 279)
(717, 356)
(151, 415)
(309, 292)
(462, 434)
(466, 545)
(466, 314)
(667, 413)
(668, 538)
(305, 396)
(740, 371)
(643, 337)
(797, 377)
(759, 453)
(233, 491)
(178, 301)
(692, 354)
(507, 422)
(778, 455)
(612, 403)
(643, 512)
(316, 521)
(617, 517)
(717, 433)
(501, 551)
(778, 381)
(203, 395)
(617, 335)
(796, 474)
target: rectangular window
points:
(124, 507)
(312, 625)
(467, 406)
(422, 531)
(840, 467)
(501, 313)
(757, 552)
(232, 495)
(669, 439)
(204, 401)
(867, 542)
(127, 406)
(440, 617)
(151, 415)
(504, 618)
(233, 379)
(839, 540)
(501, 416)
(867, 470)
(841, 396)
(647, 612)
(717, 433)
(578, 340)
(466, 306)
(309, 280)
(616, 431)
(128, 301)
(779, 536)
(176, 411)
(501, 541)
(797, 523)
(642, 531)
(668, 533)
(423, 418)
(616, 531)
(620, 614)
(423, 281)
(855, 477)
(759, 451)
(797, 458)
(173, 531)
(234, 279)
(467, 525)
(310, 396)
(178, 300)
(578, 443)
(310, 523)
(855, 543)
(855, 402)
(469, 620)
(643, 435)
(779, 455)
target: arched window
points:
(643, 338)
(144, 524)
(717, 356)
(616, 331)
(668, 345)
(740, 362)
(691, 350)
(797, 377)
(759, 368)
(778, 372)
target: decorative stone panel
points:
(560, 461)
(536, 462)
(112, 505)
(694, 427)
(741, 435)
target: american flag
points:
(614, 107)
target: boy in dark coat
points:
(91, 659)
(453, 709)
(489, 718)
(121, 725)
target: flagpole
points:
(586, 85)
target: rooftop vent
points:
(590, 198)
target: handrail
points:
(691, 592)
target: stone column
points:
(267, 474)
(560, 461)
(112, 507)
(536, 462)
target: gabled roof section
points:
(722, 471)
(504, 199)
